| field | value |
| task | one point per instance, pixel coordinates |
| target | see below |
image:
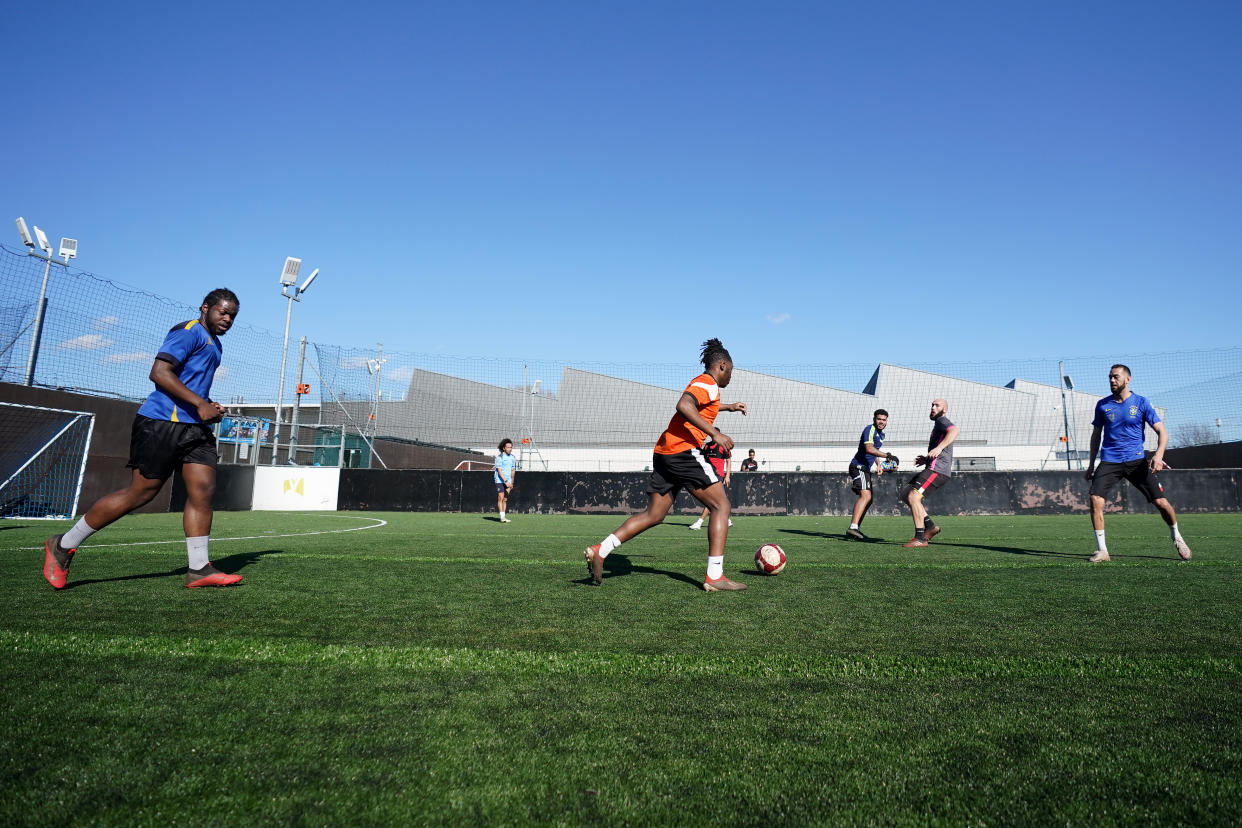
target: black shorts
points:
(860, 479)
(670, 473)
(926, 480)
(157, 447)
(1136, 471)
(500, 488)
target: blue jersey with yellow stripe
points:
(194, 355)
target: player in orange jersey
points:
(679, 463)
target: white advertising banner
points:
(295, 488)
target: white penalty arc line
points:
(378, 523)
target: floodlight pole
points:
(287, 280)
(1065, 414)
(284, 356)
(40, 312)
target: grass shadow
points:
(1038, 553)
(617, 566)
(231, 564)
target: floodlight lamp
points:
(24, 233)
(1069, 383)
(68, 249)
(290, 274)
(308, 281)
(534, 389)
(42, 237)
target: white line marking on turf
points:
(215, 539)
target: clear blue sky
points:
(812, 182)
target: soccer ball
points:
(770, 559)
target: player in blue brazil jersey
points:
(170, 431)
(1117, 437)
(503, 474)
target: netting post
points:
(297, 402)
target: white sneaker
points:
(1100, 557)
(505, 520)
(696, 526)
(1182, 549)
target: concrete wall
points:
(969, 493)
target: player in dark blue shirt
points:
(869, 454)
(170, 432)
(1119, 424)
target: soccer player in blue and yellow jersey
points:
(1117, 438)
(679, 462)
(170, 431)
(868, 453)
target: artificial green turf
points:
(447, 669)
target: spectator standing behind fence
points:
(503, 475)
(939, 468)
(170, 431)
(869, 452)
(750, 464)
(1120, 419)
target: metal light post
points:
(1066, 383)
(288, 278)
(68, 250)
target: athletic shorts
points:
(670, 473)
(157, 447)
(1136, 471)
(926, 480)
(860, 479)
(500, 487)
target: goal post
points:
(43, 454)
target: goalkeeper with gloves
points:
(869, 456)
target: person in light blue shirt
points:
(503, 474)
(1117, 437)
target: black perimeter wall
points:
(816, 493)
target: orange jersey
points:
(681, 435)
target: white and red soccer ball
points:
(770, 559)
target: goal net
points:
(42, 460)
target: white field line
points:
(215, 539)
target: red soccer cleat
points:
(915, 543)
(56, 563)
(209, 576)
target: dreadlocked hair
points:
(713, 352)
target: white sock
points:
(1173, 533)
(698, 523)
(74, 537)
(1099, 541)
(715, 566)
(853, 525)
(502, 515)
(607, 545)
(197, 549)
